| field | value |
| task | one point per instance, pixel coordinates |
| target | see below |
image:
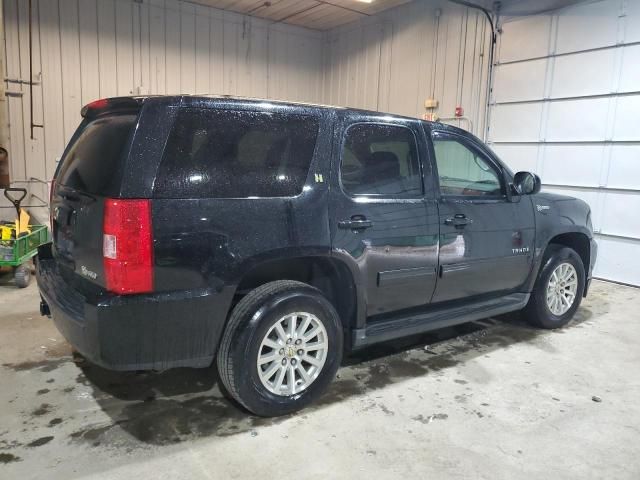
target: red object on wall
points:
(459, 111)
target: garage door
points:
(565, 104)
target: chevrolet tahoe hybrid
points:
(272, 237)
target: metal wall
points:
(565, 104)
(89, 49)
(395, 60)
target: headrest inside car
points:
(382, 166)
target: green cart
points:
(17, 252)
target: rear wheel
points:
(281, 348)
(558, 290)
(22, 276)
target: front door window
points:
(463, 171)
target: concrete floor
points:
(495, 399)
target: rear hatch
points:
(90, 171)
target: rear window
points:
(93, 159)
(236, 154)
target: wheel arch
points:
(330, 275)
(579, 241)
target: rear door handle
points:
(357, 222)
(459, 220)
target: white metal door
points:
(565, 104)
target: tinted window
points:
(222, 153)
(380, 160)
(93, 159)
(463, 171)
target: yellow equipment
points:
(9, 231)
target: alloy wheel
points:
(562, 289)
(292, 353)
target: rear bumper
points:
(137, 332)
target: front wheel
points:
(558, 290)
(281, 348)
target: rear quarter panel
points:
(213, 242)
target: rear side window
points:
(380, 160)
(236, 154)
(95, 155)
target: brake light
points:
(127, 246)
(94, 106)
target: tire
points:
(253, 320)
(538, 311)
(22, 276)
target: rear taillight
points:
(127, 246)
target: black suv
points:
(275, 236)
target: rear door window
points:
(236, 154)
(96, 154)
(380, 160)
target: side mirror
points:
(526, 183)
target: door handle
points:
(459, 220)
(357, 222)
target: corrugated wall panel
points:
(565, 104)
(51, 75)
(157, 49)
(187, 53)
(107, 53)
(124, 47)
(71, 72)
(34, 148)
(89, 51)
(99, 48)
(397, 59)
(15, 93)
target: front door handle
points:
(459, 220)
(357, 222)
